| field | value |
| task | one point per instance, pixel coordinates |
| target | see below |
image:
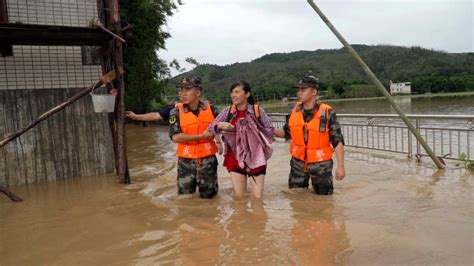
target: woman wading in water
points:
(247, 135)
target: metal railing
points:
(449, 136)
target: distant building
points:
(400, 88)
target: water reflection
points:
(318, 236)
(199, 233)
(188, 229)
(245, 241)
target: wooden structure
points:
(45, 63)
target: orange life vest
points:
(317, 147)
(194, 125)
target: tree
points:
(276, 73)
(175, 64)
(192, 61)
(338, 88)
(146, 73)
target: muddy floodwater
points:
(388, 210)
(446, 105)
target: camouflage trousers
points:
(200, 173)
(320, 174)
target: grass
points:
(469, 164)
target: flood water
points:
(451, 105)
(388, 210)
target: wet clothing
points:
(201, 173)
(194, 172)
(232, 165)
(253, 145)
(230, 160)
(320, 173)
(255, 134)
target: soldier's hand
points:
(206, 135)
(130, 114)
(298, 105)
(225, 126)
(340, 173)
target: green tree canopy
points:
(146, 73)
(274, 74)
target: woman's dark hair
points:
(247, 88)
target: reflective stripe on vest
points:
(316, 147)
(194, 125)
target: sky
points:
(228, 31)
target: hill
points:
(272, 75)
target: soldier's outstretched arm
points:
(279, 133)
(148, 117)
(340, 170)
(283, 132)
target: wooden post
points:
(117, 60)
(3, 11)
(106, 19)
(5, 49)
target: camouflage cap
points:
(309, 80)
(190, 82)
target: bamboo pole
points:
(96, 23)
(378, 84)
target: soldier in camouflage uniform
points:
(197, 163)
(313, 164)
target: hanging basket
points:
(103, 103)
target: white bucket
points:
(103, 103)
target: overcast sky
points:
(227, 31)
